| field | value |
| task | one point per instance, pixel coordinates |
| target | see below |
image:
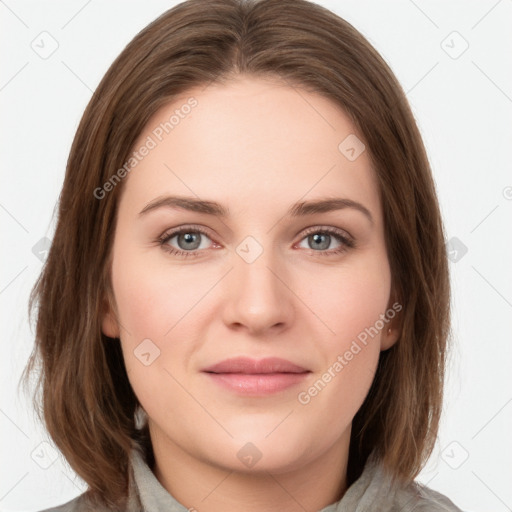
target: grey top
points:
(371, 492)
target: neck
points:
(199, 484)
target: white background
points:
(463, 106)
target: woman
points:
(246, 302)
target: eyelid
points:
(326, 229)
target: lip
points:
(250, 366)
(254, 377)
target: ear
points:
(392, 330)
(109, 323)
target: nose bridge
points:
(257, 297)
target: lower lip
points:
(257, 384)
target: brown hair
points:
(87, 402)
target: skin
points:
(255, 146)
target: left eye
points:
(321, 240)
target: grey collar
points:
(373, 490)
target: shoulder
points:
(79, 504)
(376, 490)
(423, 499)
(84, 503)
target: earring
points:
(389, 331)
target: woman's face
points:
(258, 272)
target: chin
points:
(253, 451)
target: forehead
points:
(251, 138)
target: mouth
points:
(248, 376)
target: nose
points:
(258, 299)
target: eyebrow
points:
(299, 209)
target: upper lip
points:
(255, 366)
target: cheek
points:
(351, 305)
(156, 305)
(153, 298)
(348, 299)
(349, 353)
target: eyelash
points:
(346, 243)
